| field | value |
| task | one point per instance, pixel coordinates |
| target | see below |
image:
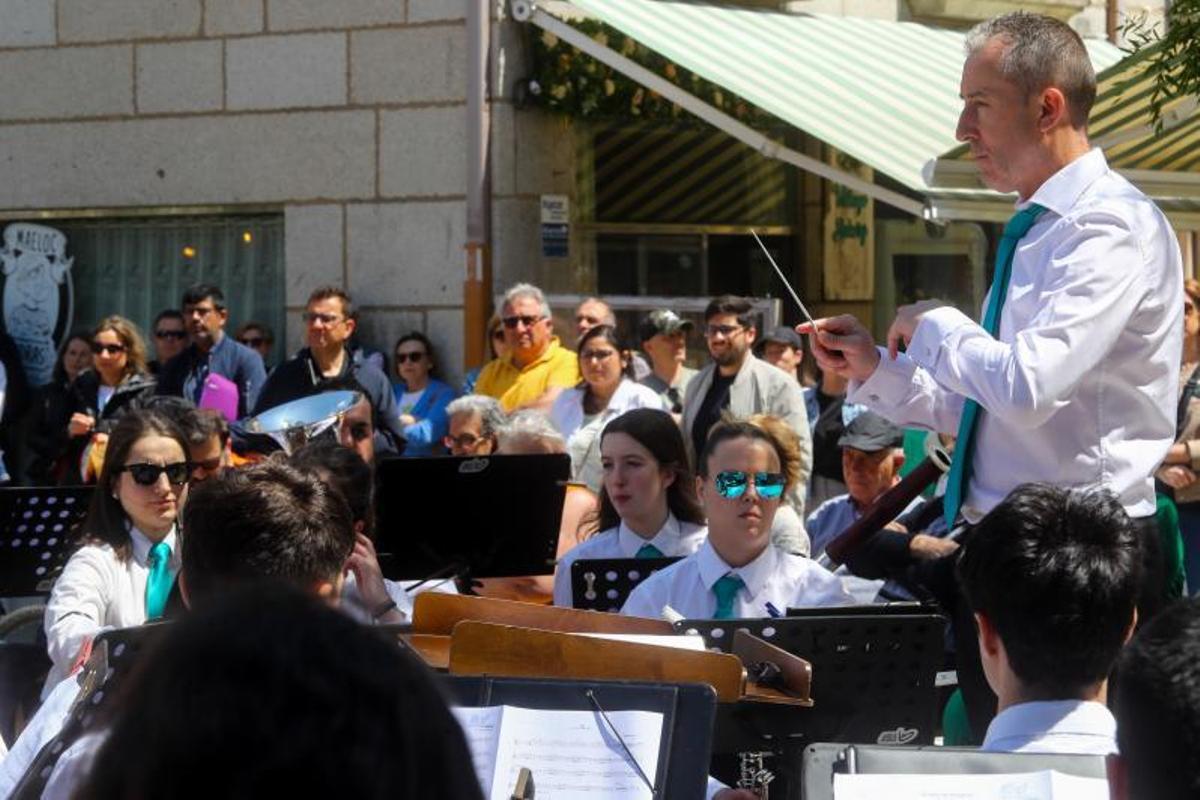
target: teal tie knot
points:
(1020, 223)
(964, 447)
(159, 580)
(648, 551)
(726, 589)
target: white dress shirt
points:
(96, 591)
(775, 577)
(45, 725)
(674, 538)
(1080, 386)
(583, 439)
(1053, 726)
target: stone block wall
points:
(348, 116)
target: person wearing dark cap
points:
(782, 347)
(663, 335)
(871, 459)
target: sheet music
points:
(573, 754)
(1044, 785)
(692, 642)
(481, 726)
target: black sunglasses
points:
(251, 341)
(112, 349)
(147, 474)
(413, 357)
(176, 335)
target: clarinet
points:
(752, 775)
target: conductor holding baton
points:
(1071, 377)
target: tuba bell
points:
(296, 423)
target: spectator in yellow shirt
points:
(537, 367)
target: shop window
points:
(138, 267)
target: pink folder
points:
(220, 394)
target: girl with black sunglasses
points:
(126, 568)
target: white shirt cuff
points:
(888, 385)
(932, 333)
(714, 786)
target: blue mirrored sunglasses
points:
(732, 484)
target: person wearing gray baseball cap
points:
(782, 347)
(663, 335)
(872, 455)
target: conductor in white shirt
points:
(1071, 378)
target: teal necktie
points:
(964, 447)
(159, 581)
(726, 590)
(648, 551)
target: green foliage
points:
(1174, 57)
(574, 83)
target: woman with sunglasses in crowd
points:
(648, 504)
(117, 383)
(607, 391)
(420, 398)
(737, 573)
(124, 572)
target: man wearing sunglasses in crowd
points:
(538, 368)
(739, 383)
(329, 323)
(211, 352)
(170, 337)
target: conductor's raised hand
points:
(842, 345)
(904, 326)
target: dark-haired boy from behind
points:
(1052, 577)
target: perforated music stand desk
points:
(37, 534)
(687, 711)
(481, 517)
(873, 674)
(114, 655)
(604, 584)
(821, 761)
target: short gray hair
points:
(1041, 51)
(609, 317)
(529, 426)
(517, 291)
(490, 413)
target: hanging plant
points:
(568, 81)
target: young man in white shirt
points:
(1051, 576)
(738, 572)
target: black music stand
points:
(114, 655)
(603, 584)
(473, 517)
(822, 761)
(687, 711)
(873, 682)
(37, 535)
